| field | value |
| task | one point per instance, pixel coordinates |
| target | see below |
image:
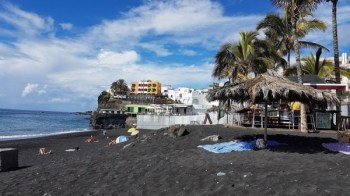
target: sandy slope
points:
(160, 165)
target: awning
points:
(327, 86)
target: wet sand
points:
(155, 164)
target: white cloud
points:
(176, 22)
(24, 23)
(59, 100)
(324, 12)
(66, 26)
(157, 48)
(33, 88)
(110, 59)
(188, 52)
(80, 67)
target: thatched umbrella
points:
(270, 87)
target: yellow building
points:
(148, 87)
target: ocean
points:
(22, 124)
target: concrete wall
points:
(161, 121)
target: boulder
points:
(176, 131)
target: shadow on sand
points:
(18, 168)
(295, 144)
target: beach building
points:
(194, 97)
(191, 107)
(136, 109)
(148, 87)
(165, 89)
(180, 95)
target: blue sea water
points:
(21, 124)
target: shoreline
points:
(16, 137)
(156, 164)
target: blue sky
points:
(59, 55)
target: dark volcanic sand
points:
(161, 165)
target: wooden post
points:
(265, 134)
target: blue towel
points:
(226, 147)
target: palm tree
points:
(236, 60)
(120, 87)
(323, 69)
(336, 51)
(278, 30)
(103, 97)
(312, 65)
(295, 8)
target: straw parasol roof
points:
(269, 87)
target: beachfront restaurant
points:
(288, 114)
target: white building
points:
(165, 89)
(194, 97)
(345, 63)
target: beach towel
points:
(227, 147)
(338, 147)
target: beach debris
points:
(247, 174)
(72, 149)
(42, 151)
(221, 174)
(128, 145)
(213, 138)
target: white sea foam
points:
(28, 136)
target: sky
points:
(60, 55)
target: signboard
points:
(323, 120)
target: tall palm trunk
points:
(336, 53)
(296, 45)
(288, 59)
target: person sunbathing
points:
(112, 142)
(91, 139)
(42, 151)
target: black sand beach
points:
(160, 165)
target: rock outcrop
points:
(107, 120)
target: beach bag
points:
(260, 144)
(121, 139)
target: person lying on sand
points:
(112, 142)
(42, 151)
(91, 139)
